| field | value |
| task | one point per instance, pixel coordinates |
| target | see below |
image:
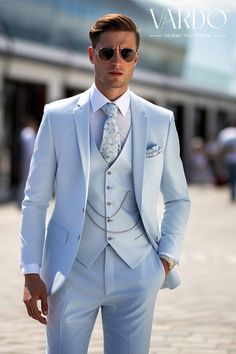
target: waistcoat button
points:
(108, 203)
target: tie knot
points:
(110, 109)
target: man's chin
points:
(117, 84)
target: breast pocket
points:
(151, 157)
(154, 164)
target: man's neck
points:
(112, 93)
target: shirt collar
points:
(98, 100)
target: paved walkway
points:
(199, 317)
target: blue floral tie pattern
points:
(111, 143)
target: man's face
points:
(112, 76)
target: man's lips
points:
(116, 73)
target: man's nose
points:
(116, 57)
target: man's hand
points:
(165, 265)
(35, 290)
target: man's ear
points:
(91, 54)
(136, 60)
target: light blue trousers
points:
(127, 299)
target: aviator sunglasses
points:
(105, 54)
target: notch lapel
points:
(82, 125)
(139, 124)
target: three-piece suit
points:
(102, 243)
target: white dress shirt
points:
(98, 118)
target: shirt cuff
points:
(31, 268)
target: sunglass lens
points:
(106, 53)
(128, 54)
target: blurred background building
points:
(43, 57)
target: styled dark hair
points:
(115, 23)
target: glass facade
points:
(65, 23)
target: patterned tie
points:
(111, 144)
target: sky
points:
(204, 4)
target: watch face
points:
(172, 264)
(171, 261)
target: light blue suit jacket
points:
(61, 163)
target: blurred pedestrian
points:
(27, 138)
(2, 138)
(217, 167)
(227, 141)
(200, 167)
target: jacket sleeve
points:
(38, 191)
(175, 197)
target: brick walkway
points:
(199, 317)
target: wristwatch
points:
(171, 261)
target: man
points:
(108, 153)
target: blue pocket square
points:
(153, 150)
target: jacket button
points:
(109, 220)
(109, 238)
(109, 172)
(108, 203)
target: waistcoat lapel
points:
(139, 123)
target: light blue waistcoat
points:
(112, 216)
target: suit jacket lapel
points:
(139, 126)
(82, 124)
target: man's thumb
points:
(44, 305)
